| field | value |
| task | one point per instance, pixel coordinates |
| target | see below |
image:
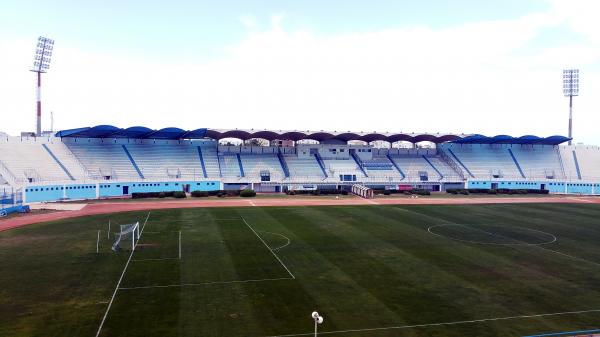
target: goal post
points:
(127, 233)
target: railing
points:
(58, 162)
(450, 162)
(411, 178)
(202, 162)
(284, 167)
(32, 175)
(321, 164)
(461, 163)
(135, 166)
(434, 168)
(560, 161)
(512, 155)
(86, 171)
(359, 163)
(396, 165)
(9, 176)
(239, 160)
(577, 165)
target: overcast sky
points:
(489, 67)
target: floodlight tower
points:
(41, 64)
(570, 89)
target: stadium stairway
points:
(577, 165)
(396, 166)
(433, 166)
(451, 163)
(202, 162)
(321, 164)
(561, 162)
(7, 175)
(359, 163)
(460, 163)
(284, 167)
(58, 162)
(241, 165)
(512, 155)
(135, 166)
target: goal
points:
(127, 236)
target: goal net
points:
(127, 237)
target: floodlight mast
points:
(41, 64)
(570, 89)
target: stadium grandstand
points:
(106, 161)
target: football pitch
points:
(479, 270)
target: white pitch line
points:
(205, 283)
(157, 259)
(551, 250)
(522, 243)
(443, 323)
(283, 236)
(144, 226)
(119, 282)
(252, 203)
(571, 256)
(269, 248)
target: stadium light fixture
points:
(318, 320)
(41, 64)
(570, 89)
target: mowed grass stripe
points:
(402, 248)
(360, 266)
(538, 258)
(570, 224)
(52, 282)
(264, 296)
(539, 268)
(437, 272)
(494, 266)
(372, 275)
(319, 283)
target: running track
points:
(112, 207)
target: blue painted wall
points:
(57, 192)
(575, 188)
(88, 191)
(553, 187)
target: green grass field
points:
(481, 270)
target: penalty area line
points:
(119, 282)
(280, 235)
(205, 283)
(157, 259)
(483, 320)
(269, 248)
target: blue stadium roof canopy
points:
(504, 139)
(140, 132)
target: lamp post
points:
(318, 320)
(570, 89)
(41, 64)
